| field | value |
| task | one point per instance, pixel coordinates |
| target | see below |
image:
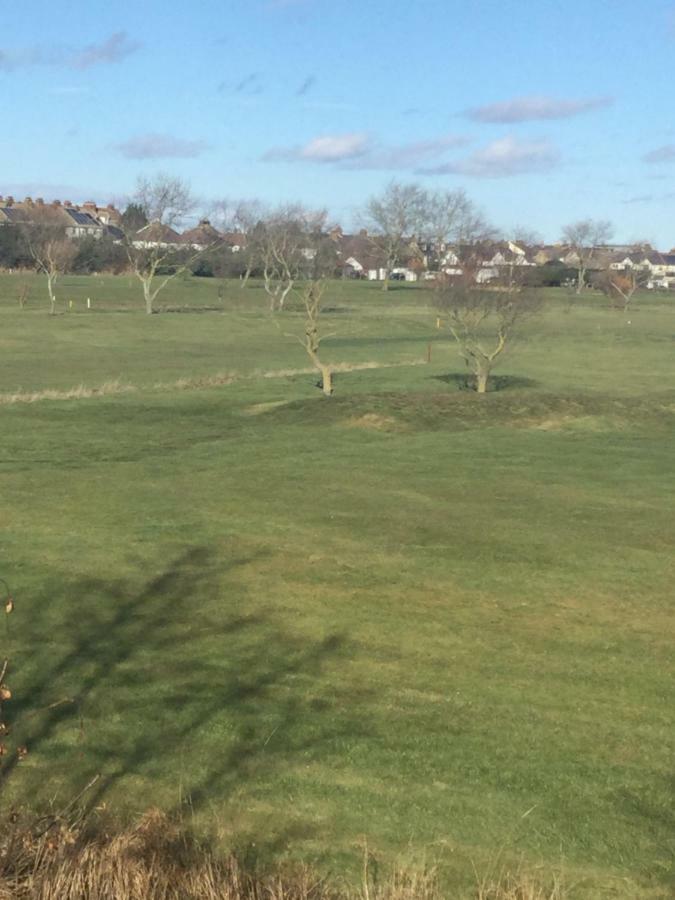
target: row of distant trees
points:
(285, 244)
(293, 252)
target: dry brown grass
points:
(519, 886)
(81, 392)
(157, 859)
(195, 383)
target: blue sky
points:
(544, 112)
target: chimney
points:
(363, 232)
(56, 203)
(40, 201)
(67, 203)
(10, 201)
(28, 201)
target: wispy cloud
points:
(357, 150)
(409, 156)
(650, 198)
(661, 154)
(160, 146)
(528, 109)
(113, 49)
(641, 198)
(502, 158)
(306, 86)
(328, 148)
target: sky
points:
(543, 112)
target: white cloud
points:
(328, 148)
(501, 159)
(332, 148)
(356, 150)
(160, 146)
(661, 154)
(526, 109)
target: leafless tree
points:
(483, 320)
(395, 217)
(456, 228)
(52, 251)
(247, 215)
(621, 285)
(311, 296)
(525, 236)
(166, 201)
(287, 241)
(584, 238)
(451, 220)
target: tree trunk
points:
(482, 376)
(247, 275)
(325, 371)
(580, 282)
(326, 380)
(285, 292)
(385, 284)
(52, 298)
(147, 294)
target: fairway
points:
(407, 616)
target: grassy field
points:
(408, 616)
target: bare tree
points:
(247, 215)
(395, 216)
(525, 236)
(311, 296)
(287, 241)
(483, 320)
(584, 238)
(52, 252)
(621, 285)
(154, 249)
(456, 229)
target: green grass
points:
(408, 615)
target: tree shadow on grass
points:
(464, 381)
(185, 690)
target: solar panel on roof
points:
(80, 218)
(14, 215)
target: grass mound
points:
(459, 410)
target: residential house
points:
(235, 240)
(156, 235)
(661, 270)
(201, 237)
(76, 221)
